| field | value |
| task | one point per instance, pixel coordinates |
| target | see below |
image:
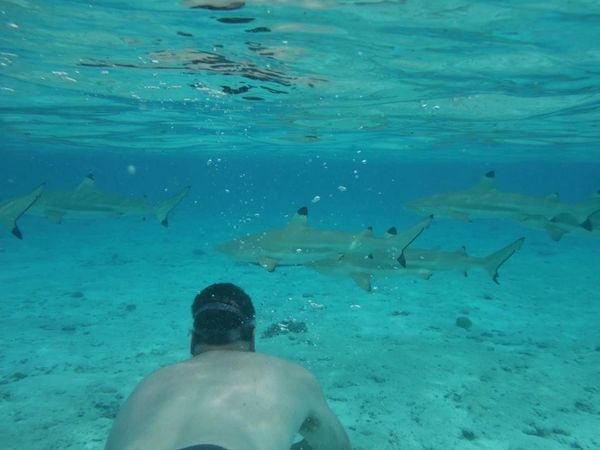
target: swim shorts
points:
(204, 447)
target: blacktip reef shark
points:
(560, 225)
(86, 201)
(484, 200)
(298, 243)
(418, 262)
(12, 209)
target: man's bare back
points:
(227, 396)
(234, 399)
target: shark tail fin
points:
(493, 262)
(590, 222)
(166, 206)
(587, 224)
(14, 209)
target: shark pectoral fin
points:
(425, 274)
(363, 280)
(55, 216)
(164, 208)
(555, 233)
(460, 216)
(268, 263)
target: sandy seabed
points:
(89, 308)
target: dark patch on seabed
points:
(235, 20)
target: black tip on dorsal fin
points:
(303, 211)
(17, 233)
(90, 176)
(402, 260)
(491, 174)
(587, 224)
(369, 228)
(370, 256)
(165, 222)
(392, 230)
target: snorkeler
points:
(227, 396)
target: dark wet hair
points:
(223, 313)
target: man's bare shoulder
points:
(232, 360)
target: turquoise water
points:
(351, 108)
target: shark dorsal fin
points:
(462, 250)
(486, 182)
(300, 219)
(367, 233)
(595, 195)
(87, 183)
(553, 196)
(391, 232)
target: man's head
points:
(223, 315)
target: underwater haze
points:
(369, 113)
